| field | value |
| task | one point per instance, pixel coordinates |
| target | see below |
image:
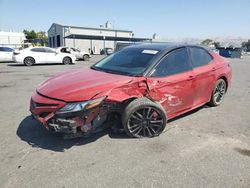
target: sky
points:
(167, 18)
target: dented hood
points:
(80, 85)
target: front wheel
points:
(144, 118)
(219, 92)
(67, 60)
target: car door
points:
(52, 56)
(39, 54)
(3, 54)
(204, 75)
(8, 53)
(171, 82)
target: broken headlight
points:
(79, 106)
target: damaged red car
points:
(142, 86)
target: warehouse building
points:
(89, 38)
(11, 39)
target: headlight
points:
(78, 106)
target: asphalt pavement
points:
(208, 147)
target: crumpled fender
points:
(133, 89)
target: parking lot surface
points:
(209, 147)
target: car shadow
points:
(34, 133)
(2, 62)
(38, 64)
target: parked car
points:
(121, 45)
(79, 54)
(30, 56)
(107, 51)
(6, 54)
(142, 85)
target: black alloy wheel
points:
(144, 118)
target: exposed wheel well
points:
(127, 101)
(225, 79)
(68, 57)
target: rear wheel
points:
(28, 61)
(218, 93)
(67, 60)
(86, 58)
(144, 118)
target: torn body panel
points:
(87, 121)
(81, 123)
(174, 93)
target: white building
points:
(89, 38)
(11, 39)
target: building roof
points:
(17, 34)
(99, 37)
(93, 28)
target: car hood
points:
(80, 85)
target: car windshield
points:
(130, 61)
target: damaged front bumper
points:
(81, 122)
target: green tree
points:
(207, 42)
(43, 37)
(37, 38)
(246, 45)
(216, 44)
(30, 34)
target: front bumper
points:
(44, 110)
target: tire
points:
(86, 57)
(67, 60)
(29, 61)
(143, 118)
(218, 93)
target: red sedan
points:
(142, 86)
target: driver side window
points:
(173, 63)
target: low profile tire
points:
(143, 118)
(67, 60)
(86, 58)
(29, 61)
(219, 92)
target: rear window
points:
(48, 50)
(37, 50)
(199, 56)
(174, 63)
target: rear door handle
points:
(213, 69)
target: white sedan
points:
(30, 56)
(6, 54)
(79, 54)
